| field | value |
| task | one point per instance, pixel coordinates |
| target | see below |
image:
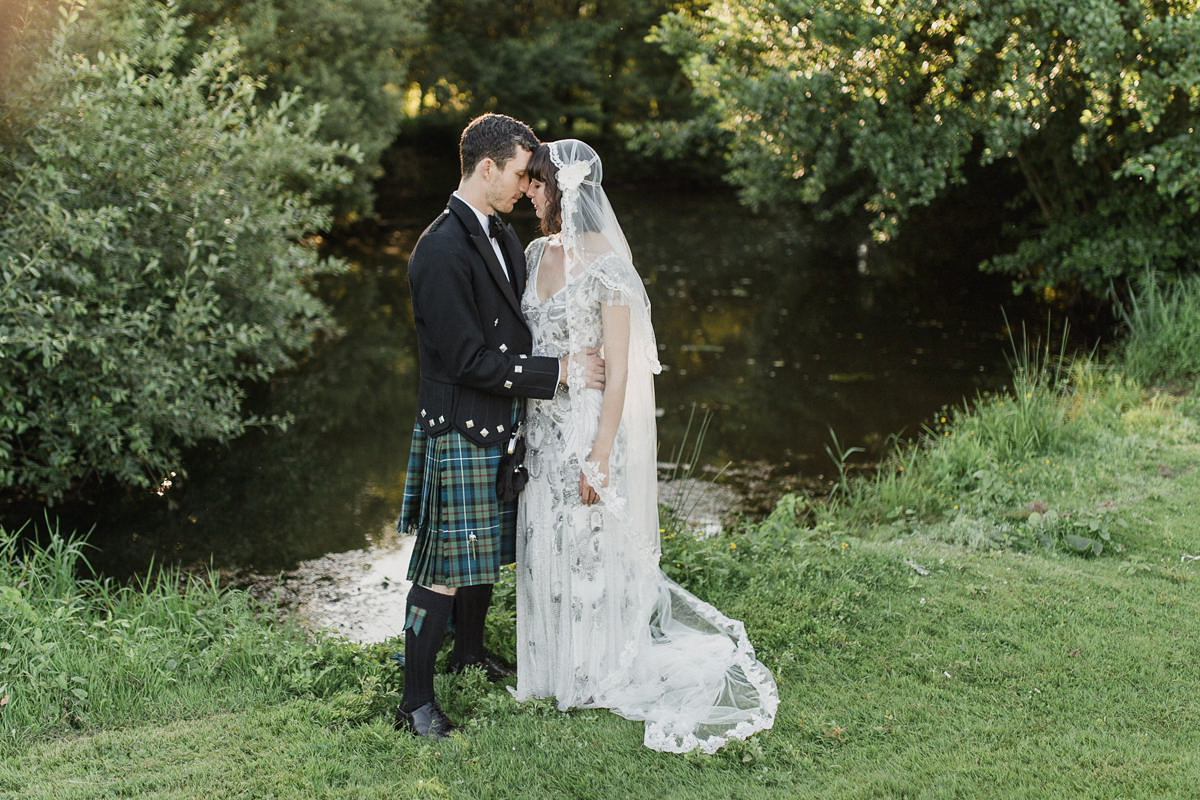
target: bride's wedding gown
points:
(599, 625)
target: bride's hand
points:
(587, 494)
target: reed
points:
(682, 490)
(1160, 344)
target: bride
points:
(599, 625)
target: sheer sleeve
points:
(620, 285)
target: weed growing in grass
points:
(791, 516)
(839, 455)
(684, 494)
(500, 634)
(1083, 535)
(702, 563)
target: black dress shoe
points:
(495, 670)
(427, 721)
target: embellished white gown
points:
(599, 625)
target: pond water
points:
(779, 330)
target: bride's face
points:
(537, 195)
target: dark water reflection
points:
(786, 333)
(777, 329)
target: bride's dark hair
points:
(542, 169)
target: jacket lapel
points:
(516, 259)
(483, 246)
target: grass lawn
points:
(937, 631)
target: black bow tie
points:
(495, 228)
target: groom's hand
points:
(593, 368)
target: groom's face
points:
(506, 186)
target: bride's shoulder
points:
(534, 249)
(611, 268)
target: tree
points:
(879, 107)
(350, 58)
(152, 253)
(578, 66)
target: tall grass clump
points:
(984, 473)
(1160, 344)
(81, 652)
(1031, 418)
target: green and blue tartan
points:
(465, 534)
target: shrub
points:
(1089, 107)
(350, 57)
(152, 259)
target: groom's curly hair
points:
(542, 169)
(494, 136)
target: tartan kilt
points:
(464, 533)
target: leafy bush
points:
(152, 259)
(349, 58)
(880, 108)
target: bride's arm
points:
(615, 321)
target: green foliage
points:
(500, 634)
(908, 665)
(1031, 418)
(1160, 321)
(23, 23)
(1000, 472)
(880, 108)
(564, 68)
(894, 683)
(152, 257)
(1083, 536)
(350, 59)
(839, 456)
(78, 652)
(700, 562)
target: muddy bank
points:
(357, 594)
(360, 594)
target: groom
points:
(466, 274)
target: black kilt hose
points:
(465, 534)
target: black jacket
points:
(472, 342)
